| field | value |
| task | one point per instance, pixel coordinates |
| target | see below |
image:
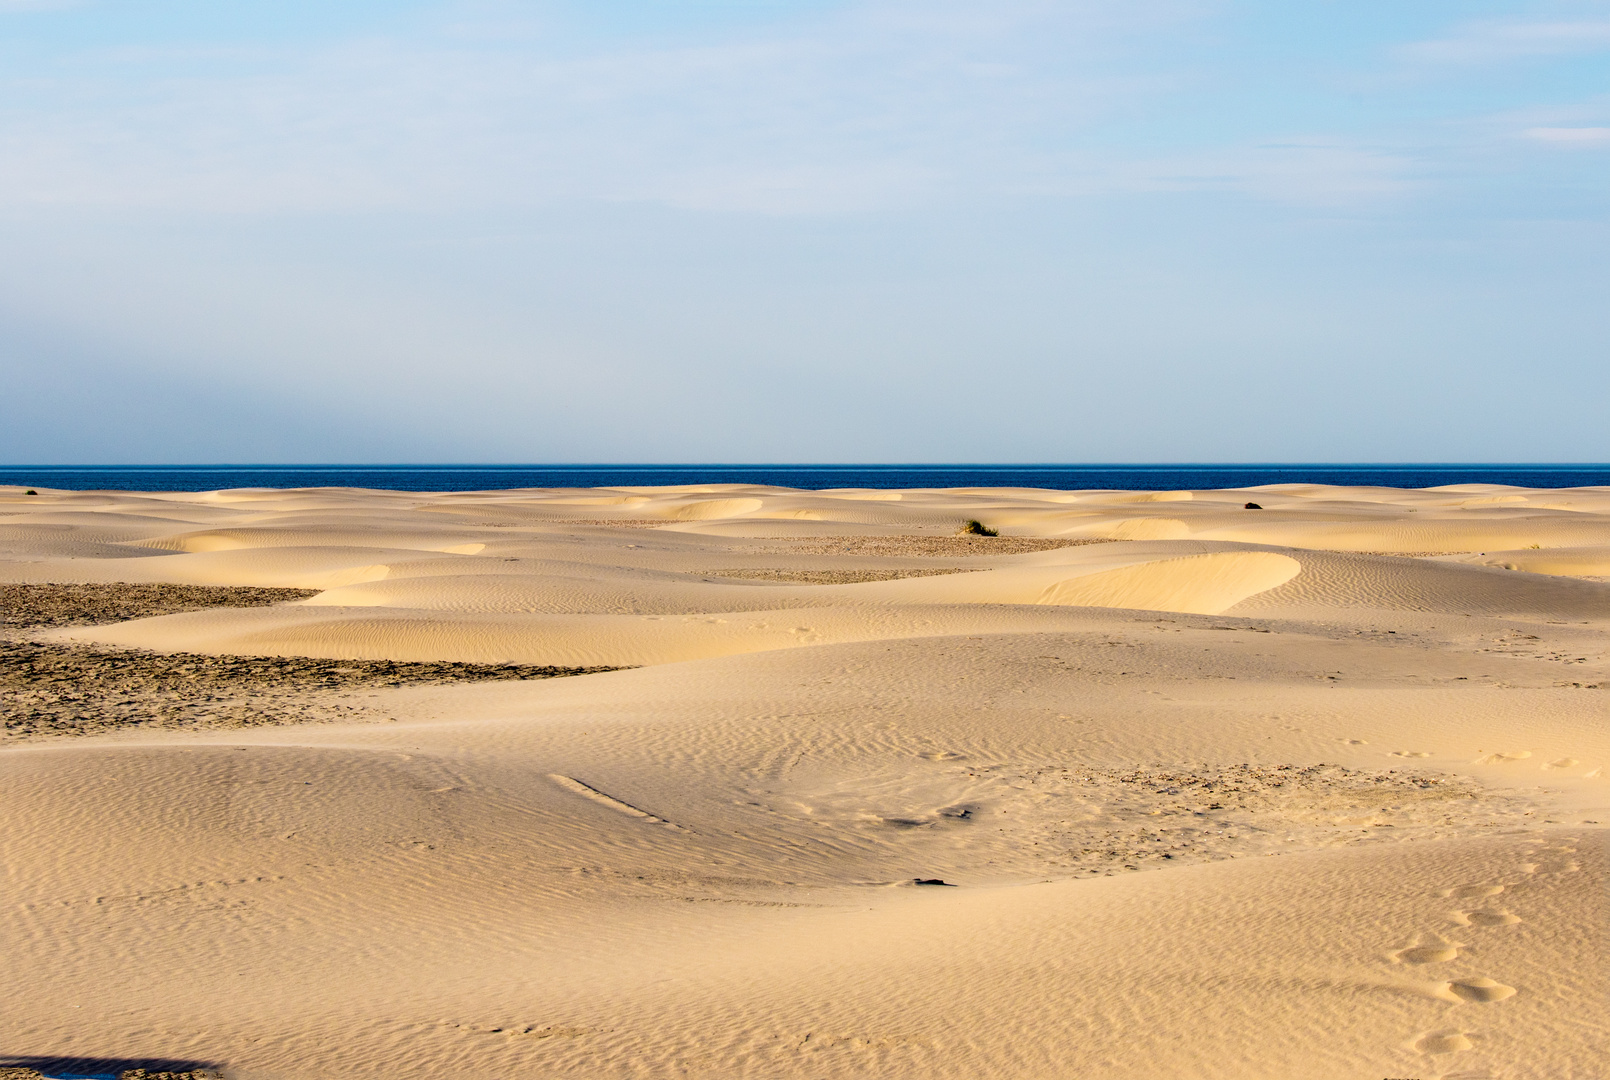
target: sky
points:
(804, 231)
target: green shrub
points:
(974, 527)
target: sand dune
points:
(1565, 562)
(1316, 790)
(1338, 580)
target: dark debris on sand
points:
(63, 688)
(918, 546)
(19, 1072)
(41, 606)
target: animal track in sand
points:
(1480, 989)
(1443, 1042)
(1485, 918)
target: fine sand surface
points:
(1150, 786)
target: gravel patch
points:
(837, 577)
(61, 688)
(917, 545)
(37, 606)
(1113, 820)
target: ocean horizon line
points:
(1145, 476)
(803, 465)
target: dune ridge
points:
(1315, 790)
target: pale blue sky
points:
(1182, 230)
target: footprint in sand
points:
(1470, 891)
(1410, 753)
(1554, 862)
(1439, 952)
(1480, 989)
(1502, 758)
(1562, 763)
(1355, 742)
(1485, 918)
(1443, 1042)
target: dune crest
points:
(732, 781)
(1199, 584)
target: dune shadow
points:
(110, 1068)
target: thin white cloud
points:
(1304, 172)
(881, 105)
(1570, 136)
(859, 110)
(1489, 41)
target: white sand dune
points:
(1340, 580)
(1563, 561)
(1236, 796)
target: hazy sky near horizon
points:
(803, 230)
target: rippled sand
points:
(1151, 785)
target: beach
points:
(1295, 781)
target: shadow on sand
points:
(18, 1067)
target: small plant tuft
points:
(1252, 506)
(31, 491)
(974, 527)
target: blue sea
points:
(1063, 477)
